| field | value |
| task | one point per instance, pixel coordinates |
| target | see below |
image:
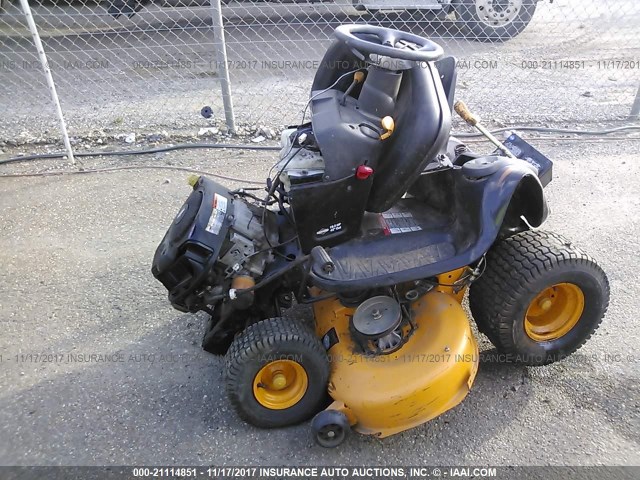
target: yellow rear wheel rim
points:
(280, 384)
(554, 312)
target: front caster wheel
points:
(276, 373)
(540, 298)
(330, 428)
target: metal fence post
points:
(635, 108)
(221, 57)
(47, 72)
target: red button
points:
(363, 172)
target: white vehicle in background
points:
(482, 20)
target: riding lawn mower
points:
(378, 221)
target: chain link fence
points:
(144, 67)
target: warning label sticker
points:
(399, 222)
(217, 215)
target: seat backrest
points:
(338, 60)
(449, 76)
(423, 124)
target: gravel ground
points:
(156, 70)
(75, 280)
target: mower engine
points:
(214, 240)
(300, 158)
(218, 241)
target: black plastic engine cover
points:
(193, 243)
(329, 213)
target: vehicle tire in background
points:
(494, 20)
(540, 298)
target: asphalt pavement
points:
(97, 368)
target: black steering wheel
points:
(392, 43)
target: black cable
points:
(551, 130)
(317, 299)
(313, 97)
(145, 151)
(128, 167)
(274, 185)
(281, 244)
(461, 280)
(242, 192)
(585, 139)
(186, 146)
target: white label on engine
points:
(217, 215)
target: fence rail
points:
(124, 66)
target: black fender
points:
(527, 201)
(496, 202)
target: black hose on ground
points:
(186, 146)
(553, 130)
(145, 151)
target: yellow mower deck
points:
(430, 374)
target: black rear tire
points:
(261, 344)
(519, 268)
(480, 26)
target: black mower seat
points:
(423, 124)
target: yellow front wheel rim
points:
(280, 384)
(554, 312)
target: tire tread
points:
(258, 338)
(513, 264)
